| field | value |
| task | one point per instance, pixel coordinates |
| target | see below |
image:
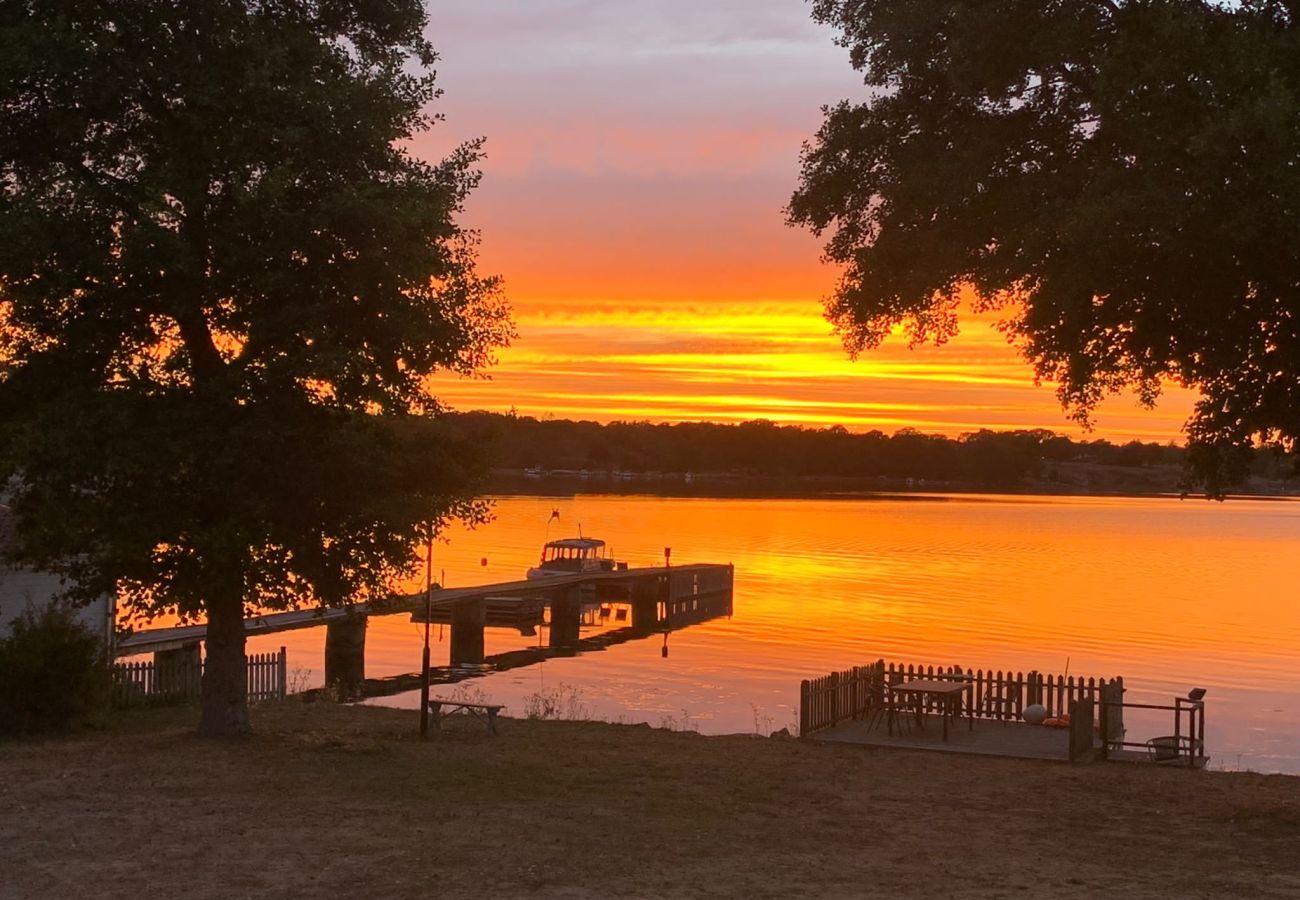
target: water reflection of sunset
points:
(1168, 594)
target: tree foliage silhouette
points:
(224, 282)
(1122, 176)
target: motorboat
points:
(573, 556)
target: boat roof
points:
(577, 543)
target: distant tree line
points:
(765, 449)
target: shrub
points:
(52, 673)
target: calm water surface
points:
(1169, 594)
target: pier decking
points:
(660, 598)
(671, 583)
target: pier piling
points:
(645, 599)
(468, 618)
(566, 616)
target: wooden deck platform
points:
(987, 738)
(849, 706)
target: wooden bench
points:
(485, 711)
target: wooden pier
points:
(659, 598)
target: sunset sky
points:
(639, 156)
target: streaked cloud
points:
(734, 362)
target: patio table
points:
(948, 692)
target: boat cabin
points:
(572, 556)
(572, 553)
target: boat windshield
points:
(558, 551)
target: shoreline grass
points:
(330, 801)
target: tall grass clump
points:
(557, 704)
(53, 675)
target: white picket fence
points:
(148, 683)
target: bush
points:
(52, 673)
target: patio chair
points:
(1170, 749)
(877, 704)
(999, 702)
(962, 707)
(901, 710)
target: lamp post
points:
(428, 619)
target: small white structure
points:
(21, 588)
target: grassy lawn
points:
(331, 801)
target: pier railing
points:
(154, 684)
(995, 694)
(1185, 746)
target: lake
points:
(1169, 594)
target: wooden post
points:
(566, 617)
(1178, 722)
(283, 687)
(878, 686)
(1035, 687)
(424, 654)
(1200, 730)
(1081, 712)
(1103, 725)
(645, 604)
(805, 702)
(671, 608)
(468, 618)
(835, 698)
(1112, 713)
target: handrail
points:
(1194, 737)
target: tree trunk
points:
(225, 682)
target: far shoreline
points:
(728, 486)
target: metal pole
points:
(428, 618)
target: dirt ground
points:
(328, 801)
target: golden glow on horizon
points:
(731, 362)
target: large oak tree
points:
(1122, 176)
(224, 283)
